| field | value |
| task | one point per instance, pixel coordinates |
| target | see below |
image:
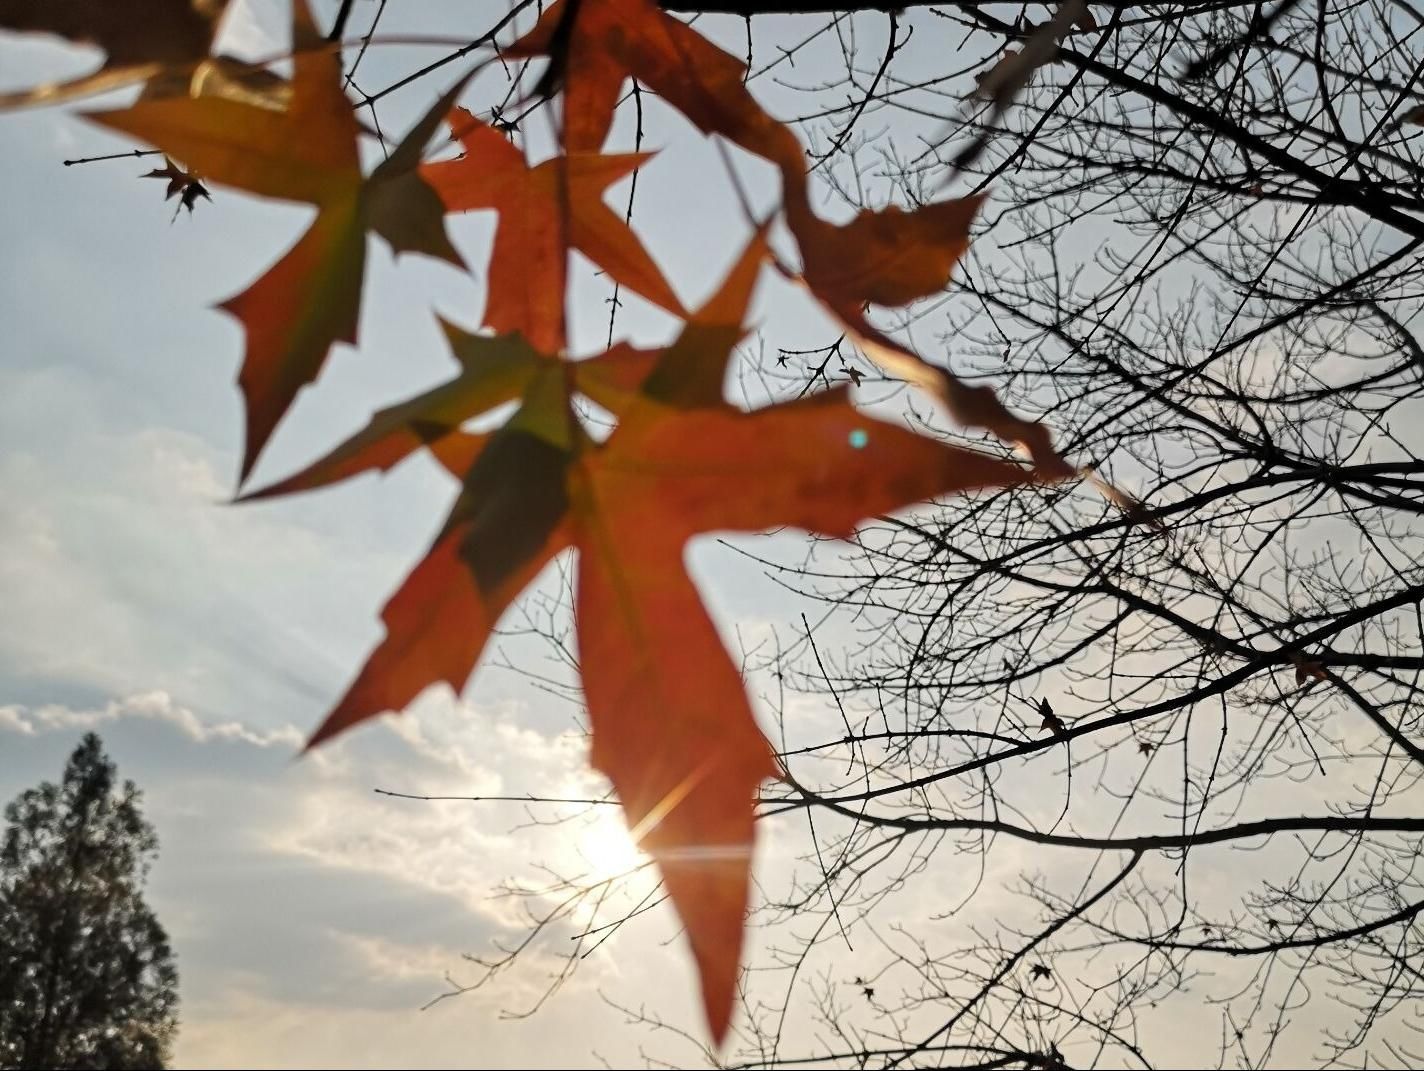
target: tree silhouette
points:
(86, 975)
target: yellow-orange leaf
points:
(222, 76)
(140, 38)
(310, 299)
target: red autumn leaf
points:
(310, 299)
(672, 726)
(595, 45)
(890, 257)
(543, 212)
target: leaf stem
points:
(114, 156)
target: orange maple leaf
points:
(306, 152)
(543, 212)
(672, 726)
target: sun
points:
(606, 847)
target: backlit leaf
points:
(544, 211)
(310, 299)
(140, 38)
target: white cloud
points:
(123, 570)
(155, 706)
(12, 719)
(253, 29)
(293, 886)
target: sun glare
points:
(606, 847)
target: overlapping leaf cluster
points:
(672, 725)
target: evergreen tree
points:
(87, 978)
